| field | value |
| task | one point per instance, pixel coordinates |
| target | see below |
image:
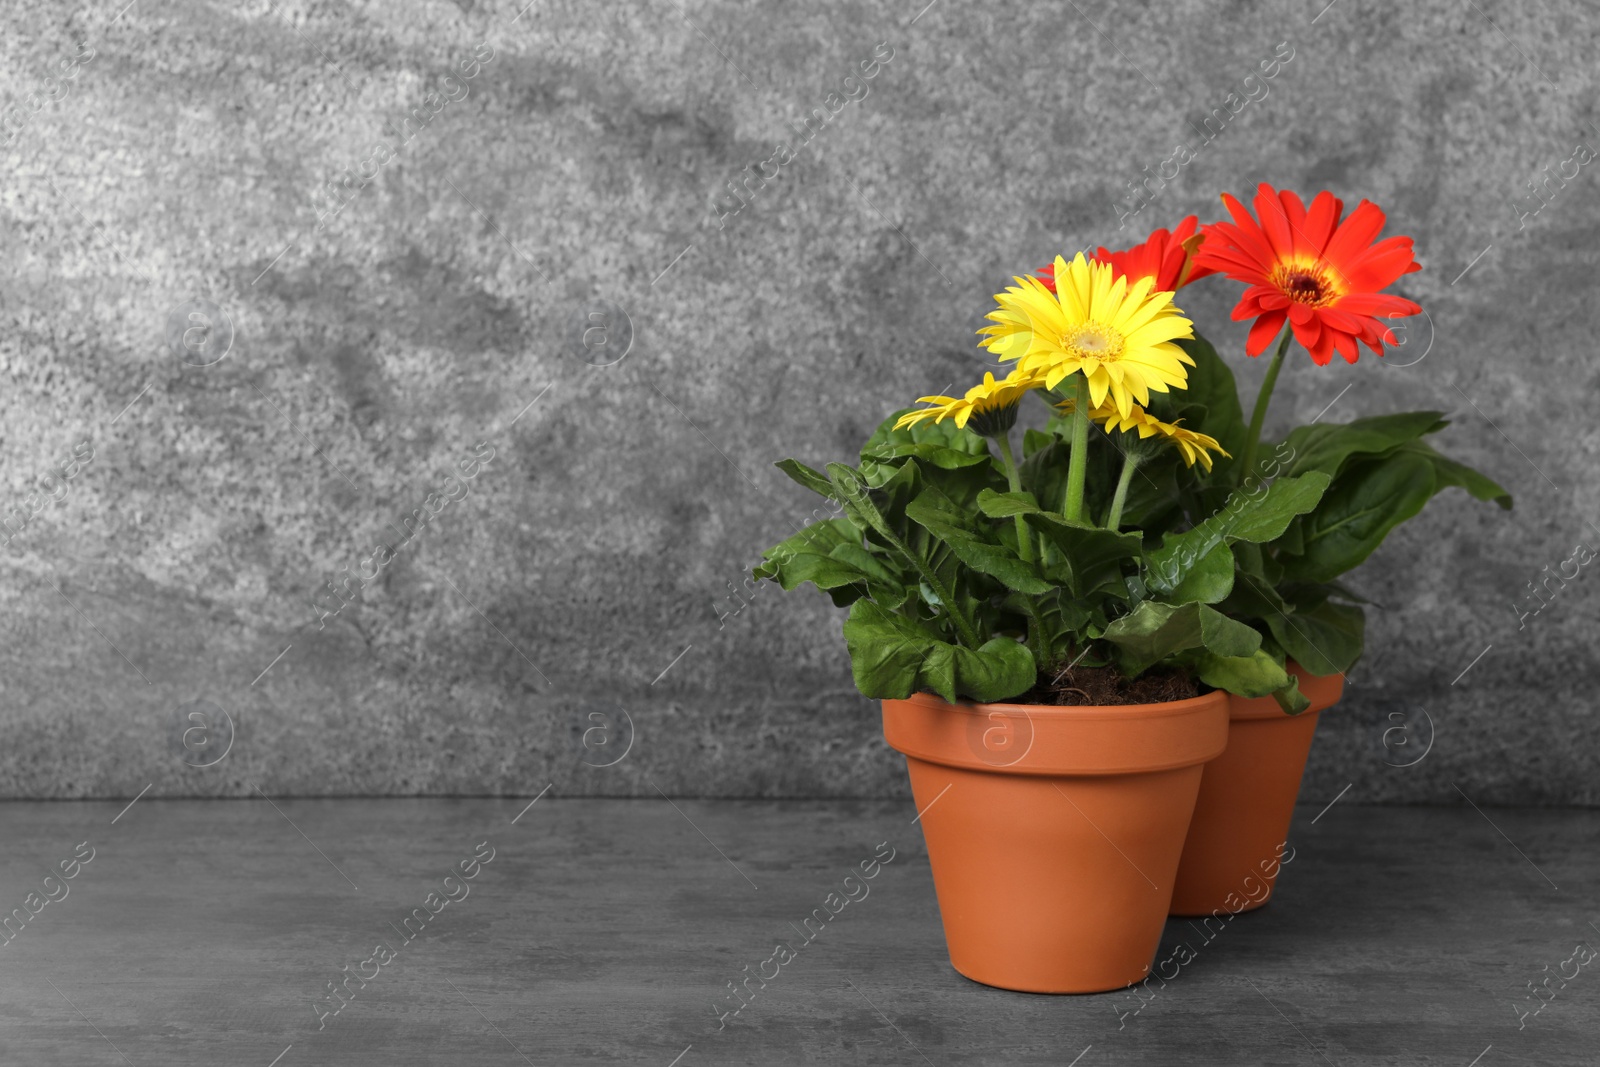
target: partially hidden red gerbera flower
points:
(1321, 273)
(1166, 257)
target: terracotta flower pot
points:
(1054, 833)
(1241, 820)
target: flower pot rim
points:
(1039, 739)
(1070, 712)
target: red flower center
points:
(1305, 284)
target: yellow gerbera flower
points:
(1195, 447)
(1119, 335)
(990, 405)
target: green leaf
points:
(1252, 597)
(1290, 699)
(1372, 497)
(1326, 639)
(887, 651)
(829, 555)
(892, 657)
(1153, 632)
(935, 444)
(813, 480)
(820, 538)
(1212, 387)
(999, 670)
(1033, 440)
(1209, 581)
(1255, 675)
(922, 555)
(1090, 557)
(1293, 538)
(1344, 592)
(931, 454)
(1328, 446)
(1448, 473)
(1044, 473)
(1256, 516)
(985, 556)
(1004, 505)
(851, 490)
(871, 566)
(1153, 494)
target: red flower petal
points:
(1274, 222)
(1262, 333)
(1345, 345)
(1354, 233)
(1321, 219)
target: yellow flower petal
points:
(1119, 335)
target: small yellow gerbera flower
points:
(1119, 335)
(1193, 446)
(991, 406)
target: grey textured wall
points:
(371, 338)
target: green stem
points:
(1078, 461)
(1130, 463)
(1014, 479)
(1038, 641)
(1263, 398)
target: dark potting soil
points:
(1102, 686)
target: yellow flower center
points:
(1305, 283)
(1093, 341)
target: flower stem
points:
(1130, 463)
(1078, 461)
(1038, 640)
(1014, 479)
(1263, 398)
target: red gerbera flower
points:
(1166, 257)
(1323, 275)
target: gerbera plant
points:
(1135, 542)
(1317, 278)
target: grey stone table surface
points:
(605, 931)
